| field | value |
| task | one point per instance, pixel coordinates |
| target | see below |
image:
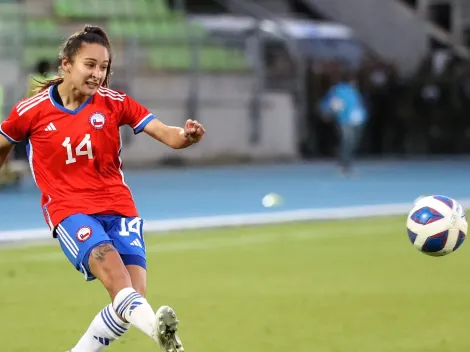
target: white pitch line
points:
(275, 217)
(189, 245)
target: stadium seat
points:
(170, 39)
(153, 8)
(10, 26)
(169, 29)
(170, 58)
(103, 9)
(64, 8)
(33, 53)
(211, 59)
(215, 58)
(168, 36)
(43, 30)
(10, 9)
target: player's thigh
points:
(126, 234)
(128, 239)
(78, 235)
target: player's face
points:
(89, 68)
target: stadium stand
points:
(164, 32)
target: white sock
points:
(135, 309)
(105, 328)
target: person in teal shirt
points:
(344, 103)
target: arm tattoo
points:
(100, 251)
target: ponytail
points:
(43, 85)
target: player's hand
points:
(193, 131)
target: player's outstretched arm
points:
(176, 137)
(5, 148)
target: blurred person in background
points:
(430, 97)
(42, 73)
(377, 87)
(344, 103)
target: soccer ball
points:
(437, 225)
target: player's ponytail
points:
(89, 34)
(42, 85)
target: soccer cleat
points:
(165, 330)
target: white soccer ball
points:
(271, 200)
(437, 225)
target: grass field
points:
(344, 286)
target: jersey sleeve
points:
(135, 115)
(17, 126)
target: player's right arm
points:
(5, 149)
(15, 128)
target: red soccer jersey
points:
(74, 155)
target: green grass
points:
(345, 286)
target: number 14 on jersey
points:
(82, 149)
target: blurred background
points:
(336, 88)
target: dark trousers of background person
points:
(350, 136)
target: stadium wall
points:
(230, 129)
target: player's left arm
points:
(176, 137)
(140, 119)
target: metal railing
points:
(459, 23)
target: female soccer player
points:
(74, 147)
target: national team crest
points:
(97, 120)
(83, 233)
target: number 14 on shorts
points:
(131, 225)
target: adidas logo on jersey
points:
(136, 243)
(50, 127)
